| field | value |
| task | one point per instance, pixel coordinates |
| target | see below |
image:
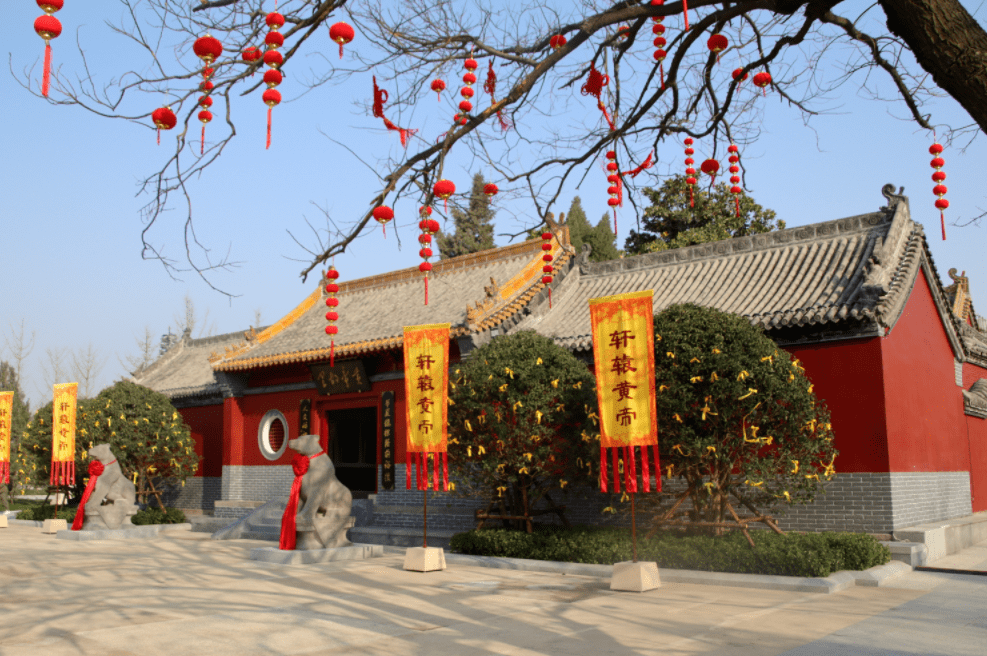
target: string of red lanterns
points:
(332, 316)
(383, 214)
(342, 33)
(615, 184)
(690, 172)
(547, 269)
(208, 49)
(273, 77)
(48, 27)
(469, 79)
(734, 175)
(428, 227)
(940, 189)
(164, 119)
(658, 29)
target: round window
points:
(272, 436)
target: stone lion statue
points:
(113, 500)
(324, 504)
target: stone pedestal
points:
(54, 526)
(635, 577)
(3, 521)
(425, 559)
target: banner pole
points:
(633, 526)
(425, 516)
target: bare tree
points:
(54, 369)
(87, 364)
(258, 313)
(632, 101)
(144, 357)
(188, 321)
(19, 345)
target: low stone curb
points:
(836, 582)
(310, 556)
(133, 533)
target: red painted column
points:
(233, 437)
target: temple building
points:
(900, 360)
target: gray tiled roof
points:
(374, 311)
(832, 280)
(185, 370)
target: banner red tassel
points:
(420, 478)
(445, 471)
(435, 472)
(616, 470)
(4, 473)
(269, 109)
(408, 466)
(46, 77)
(942, 222)
(645, 470)
(654, 452)
(603, 469)
(96, 469)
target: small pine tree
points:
(671, 222)
(474, 227)
(602, 239)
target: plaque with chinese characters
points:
(347, 377)
(305, 417)
(387, 425)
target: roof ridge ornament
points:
(893, 198)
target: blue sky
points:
(71, 262)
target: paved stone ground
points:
(181, 594)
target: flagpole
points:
(633, 526)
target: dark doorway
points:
(353, 448)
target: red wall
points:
(206, 424)
(976, 429)
(926, 426)
(847, 375)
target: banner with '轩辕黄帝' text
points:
(426, 384)
(63, 434)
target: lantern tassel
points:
(550, 298)
(615, 221)
(269, 110)
(159, 136)
(692, 202)
(661, 69)
(685, 12)
(942, 222)
(46, 76)
(202, 141)
(426, 290)
(603, 469)
(383, 226)
(340, 50)
(332, 353)
(737, 201)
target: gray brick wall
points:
(261, 483)
(922, 497)
(199, 493)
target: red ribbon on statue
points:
(299, 464)
(96, 470)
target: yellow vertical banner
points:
(6, 430)
(624, 358)
(426, 385)
(63, 434)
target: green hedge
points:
(41, 512)
(794, 554)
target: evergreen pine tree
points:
(602, 239)
(671, 222)
(474, 227)
(579, 227)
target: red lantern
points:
(762, 80)
(274, 40)
(207, 48)
(940, 189)
(48, 27)
(428, 227)
(557, 41)
(717, 44)
(332, 288)
(383, 214)
(438, 86)
(273, 78)
(444, 189)
(689, 171)
(274, 21)
(734, 177)
(164, 119)
(490, 189)
(252, 55)
(470, 65)
(548, 269)
(710, 167)
(342, 34)
(271, 98)
(273, 59)
(623, 32)
(739, 73)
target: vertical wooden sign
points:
(305, 417)
(387, 439)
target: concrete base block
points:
(54, 526)
(425, 559)
(629, 576)
(3, 521)
(931, 535)
(310, 556)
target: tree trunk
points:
(949, 44)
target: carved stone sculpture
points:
(324, 504)
(113, 499)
